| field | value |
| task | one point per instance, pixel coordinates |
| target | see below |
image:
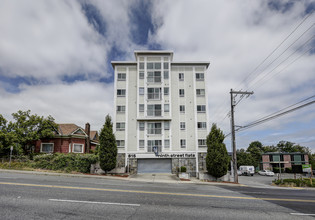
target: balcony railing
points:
(154, 113)
(154, 96)
(154, 79)
(154, 131)
(151, 149)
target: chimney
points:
(87, 140)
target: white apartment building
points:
(160, 119)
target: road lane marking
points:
(92, 202)
(304, 214)
(156, 193)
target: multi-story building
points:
(271, 160)
(160, 119)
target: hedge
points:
(65, 162)
(296, 182)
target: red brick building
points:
(69, 138)
(285, 160)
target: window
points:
(154, 128)
(202, 125)
(141, 107)
(182, 126)
(121, 109)
(200, 76)
(154, 93)
(154, 144)
(281, 157)
(200, 92)
(154, 76)
(141, 144)
(141, 91)
(181, 92)
(77, 148)
(141, 66)
(181, 76)
(120, 126)
(166, 74)
(182, 143)
(167, 143)
(271, 158)
(182, 109)
(166, 108)
(120, 143)
(166, 125)
(121, 77)
(201, 108)
(141, 126)
(121, 92)
(141, 75)
(47, 148)
(202, 143)
(154, 110)
(165, 65)
(166, 91)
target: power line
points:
(276, 114)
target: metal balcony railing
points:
(154, 113)
(154, 96)
(154, 79)
(154, 130)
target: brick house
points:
(69, 138)
(285, 160)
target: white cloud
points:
(236, 36)
(77, 103)
(48, 39)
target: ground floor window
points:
(47, 148)
(77, 148)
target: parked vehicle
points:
(266, 173)
(247, 170)
(239, 173)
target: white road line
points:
(302, 214)
(92, 202)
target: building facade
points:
(284, 160)
(160, 119)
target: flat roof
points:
(148, 52)
(123, 63)
(192, 63)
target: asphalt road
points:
(27, 196)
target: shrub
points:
(183, 169)
(276, 170)
(288, 170)
(295, 182)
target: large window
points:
(202, 125)
(154, 93)
(120, 126)
(121, 109)
(201, 108)
(200, 92)
(182, 143)
(121, 76)
(202, 143)
(200, 76)
(121, 92)
(77, 148)
(154, 144)
(181, 76)
(167, 143)
(154, 76)
(120, 143)
(182, 108)
(154, 128)
(154, 110)
(181, 92)
(182, 125)
(47, 148)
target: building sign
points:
(164, 155)
(306, 168)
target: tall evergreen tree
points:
(217, 159)
(108, 146)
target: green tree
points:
(217, 159)
(244, 158)
(255, 150)
(29, 128)
(7, 137)
(108, 146)
(311, 158)
(271, 148)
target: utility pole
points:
(233, 104)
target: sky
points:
(55, 58)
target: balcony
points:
(154, 113)
(150, 149)
(154, 79)
(154, 131)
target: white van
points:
(247, 170)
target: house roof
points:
(94, 135)
(68, 129)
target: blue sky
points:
(55, 58)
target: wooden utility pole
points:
(233, 104)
